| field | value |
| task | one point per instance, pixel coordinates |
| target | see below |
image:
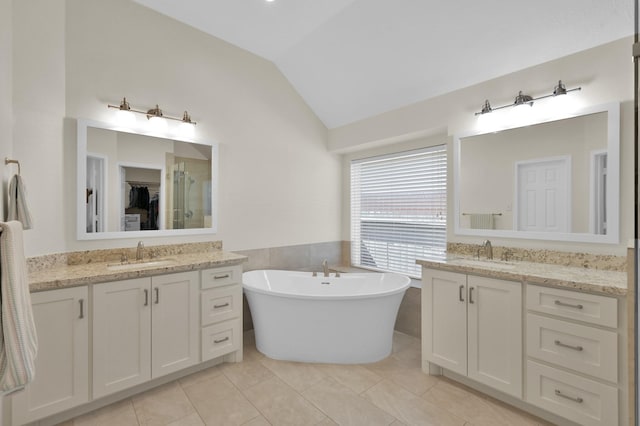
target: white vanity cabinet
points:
(221, 313)
(62, 365)
(572, 355)
(473, 326)
(142, 329)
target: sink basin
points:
(155, 263)
(489, 264)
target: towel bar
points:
(7, 160)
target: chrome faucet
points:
(488, 250)
(140, 251)
(325, 268)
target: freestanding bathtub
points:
(345, 320)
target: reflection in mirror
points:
(555, 180)
(134, 185)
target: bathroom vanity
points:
(549, 339)
(110, 330)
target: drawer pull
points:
(568, 305)
(221, 306)
(81, 308)
(471, 295)
(564, 345)
(146, 297)
(574, 399)
(460, 293)
(220, 277)
(221, 340)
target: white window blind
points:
(399, 210)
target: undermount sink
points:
(489, 264)
(155, 263)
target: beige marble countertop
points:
(63, 276)
(612, 283)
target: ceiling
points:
(352, 59)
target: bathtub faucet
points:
(325, 268)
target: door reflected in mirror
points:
(136, 184)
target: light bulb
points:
(125, 118)
(157, 125)
(186, 130)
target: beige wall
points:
(278, 184)
(605, 74)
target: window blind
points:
(399, 210)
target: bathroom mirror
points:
(135, 184)
(556, 179)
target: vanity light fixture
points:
(152, 113)
(523, 99)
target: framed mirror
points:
(133, 184)
(556, 179)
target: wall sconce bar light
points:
(151, 113)
(523, 99)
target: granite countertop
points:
(590, 280)
(63, 276)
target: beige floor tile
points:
(474, 408)
(409, 375)
(218, 402)
(202, 376)
(355, 377)
(162, 405)
(282, 405)
(299, 376)
(409, 408)
(67, 423)
(246, 374)
(327, 422)
(402, 342)
(344, 406)
(120, 413)
(191, 420)
(258, 421)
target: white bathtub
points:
(345, 320)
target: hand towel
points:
(481, 221)
(18, 209)
(18, 339)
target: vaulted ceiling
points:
(352, 59)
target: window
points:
(399, 210)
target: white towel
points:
(18, 209)
(18, 339)
(481, 221)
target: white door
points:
(495, 333)
(543, 195)
(175, 322)
(444, 319)
(62, 365)
(121, 335)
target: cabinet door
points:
(175, 322)
(121, 335)
(444, 319)
(495, 333)
(62, 365)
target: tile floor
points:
(261, 391)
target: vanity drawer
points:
(221, 339)
(585, 307)
(220, 304)
(585, 349)
(584, 401)
(218, 277)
